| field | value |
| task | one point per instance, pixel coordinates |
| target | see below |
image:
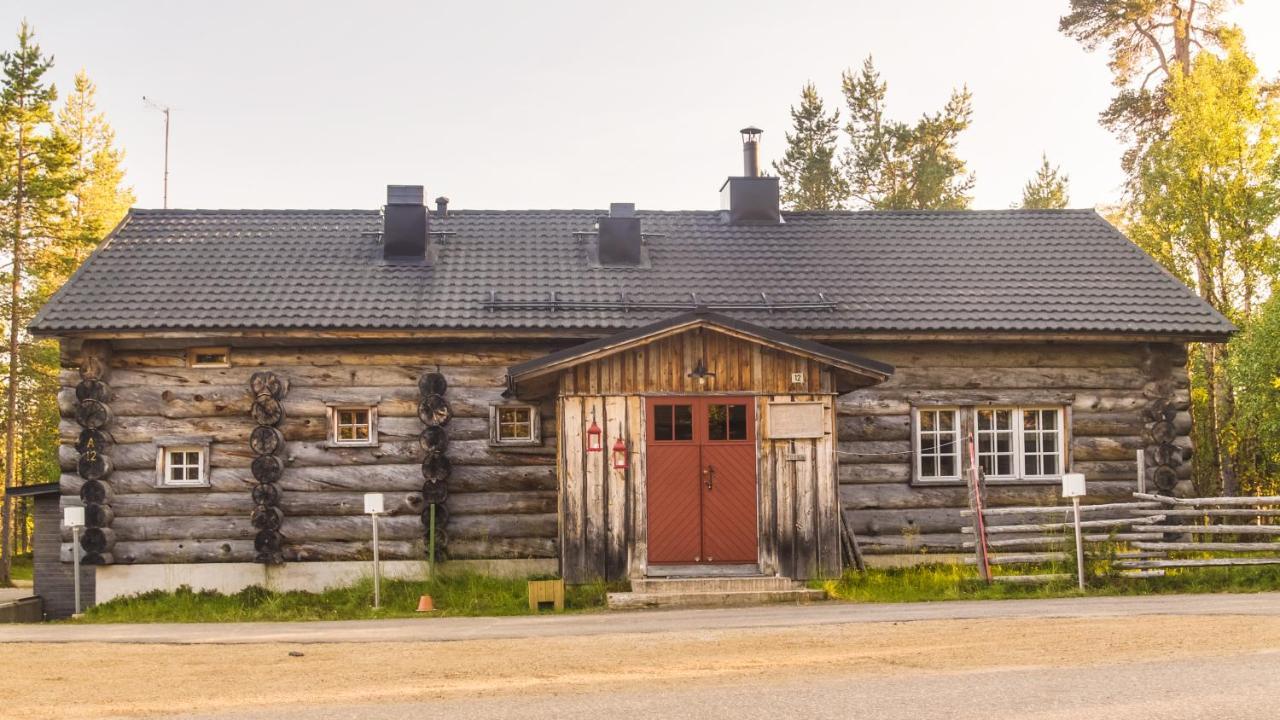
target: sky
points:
(514, 105)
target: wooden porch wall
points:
(663, 366)
(1105, 388)
(799, 500)
(502, 502)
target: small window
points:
(937, 444)
(514, 425)
(183, 465)
(209, 357)
(727, 422)
(353, 426)
(996, 442)
(672, 422)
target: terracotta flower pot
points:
(425, 604)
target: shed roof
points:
(1009, 271)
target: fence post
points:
(1142, 471)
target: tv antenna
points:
(164, 109)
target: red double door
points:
(701, 480)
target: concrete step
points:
(725, 598)
(713, 584)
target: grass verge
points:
(21, 568)
(961, 582)
(454, 595)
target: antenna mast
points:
(164, 109)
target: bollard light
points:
(73, 517)
(374, 505)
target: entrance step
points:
(712, 592)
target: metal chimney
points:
(751, 151)
(404, 224)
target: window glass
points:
(717, 422)
(684, 422)
(353, 425)
(738, 422)
(515, 423)
(183, 467)
(938, 444)
(663, 425)
(995, 440)
(1041, 442)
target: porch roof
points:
(534, 377)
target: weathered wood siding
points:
(663, 366)
(502, 502)
(1107, 390)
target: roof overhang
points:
(536, 377)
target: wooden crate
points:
(546, 591)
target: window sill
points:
(185, 486)
(332, 444)
(949, 482)
(514, 443)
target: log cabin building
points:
(601, 394)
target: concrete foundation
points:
(113, 581)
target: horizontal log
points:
(1209, 546)
(1208, 562)
(1212, 501)
(885, 473)
(1106, 448)
(1125, 470)
(300, 376)
(1215, 512)
(874, 427)
(1065, 510)
(1037, 579)
(890, 522)
(192, 551)
(1051, 527)
(1223, 529)
(936, 377)
(865, 452)
(1065, 540)
(902, 495)
(1105, 424)
(1021, 558)
(912, 543)
(501, 548)
(296, 353)
(159, 504)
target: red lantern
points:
(619, 455)
(593, 437)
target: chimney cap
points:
(442, 200)
(622, 210)
(404, 194)
(751, 133)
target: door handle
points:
(710, 472)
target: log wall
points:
(1109, 392)
(502, 501)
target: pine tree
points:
(99, 199)
(810, 178)
(894, 165)
(1047, 190)
(35, 176)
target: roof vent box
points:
(404, 224)
(751, 200)
(620, 237)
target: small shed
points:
(700, 444)
(54, 580)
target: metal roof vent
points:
(619, 236)
(404, 225)
(751, 198)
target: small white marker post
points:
(1073, 486)
(373, 505)
(73, 517)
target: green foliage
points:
(460, 594)
(810, 178)
(895, 165)
(1255, 371)
(943, 581)
(1047, 190)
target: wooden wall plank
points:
(595, 527)
(572, 490)
(615, 489)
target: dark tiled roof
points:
(985, 271)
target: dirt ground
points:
(97, 680)
(137, 680)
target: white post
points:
(378, 573)
(73, 517)
(1142, 471)
(1075, 503)
(75, 563)
(373, 504)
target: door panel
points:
(729, 532)
(701, 477)
(674, 499)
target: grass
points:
(21, 568)
(454, 595)
(960, 582)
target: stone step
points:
(728, 598)
(713, 584)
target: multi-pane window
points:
(1009, 443)
(726, 421)
(514, 425)
(937, 444)
(672, 422)
(353, 426)
(182, 466)
(1041, 442)
(996, 442)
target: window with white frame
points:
(353, 425)
(1041, 442)
(937, 444)
(514, 425)
(182, 463)
(996, 442)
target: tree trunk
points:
(11, 432)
